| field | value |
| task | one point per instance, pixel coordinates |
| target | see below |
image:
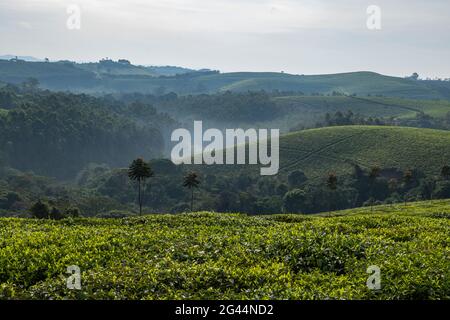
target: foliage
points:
(191, 182)
(140, 171)
(231, 256)
(338, 149)
(58, 134)
(40, 210)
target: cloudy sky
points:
(295, 36)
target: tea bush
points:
(232, 256)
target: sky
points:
(294, 36)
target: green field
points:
(232, 256)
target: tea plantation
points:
(232, 256)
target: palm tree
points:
(373, 175)
(191, 181)
(408, 177)
(332, 182)
(140, 170)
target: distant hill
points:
(306, 111)
(110, 76)
(318, 152)
(361, 83)
(294, 112)
(125, 68)
(25, 58)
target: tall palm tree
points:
(332, 182)
(191, 182)
(140, 170)
(408, 177)
(373, 175)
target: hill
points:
(320, 151)
(317, 152)
(110, 76)
(289, 112)
(360, 83)
(306, 111)
(25, 58)
(231, 256)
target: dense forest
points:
(70, 152)
(58, 134)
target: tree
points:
(332, 181)
(40, 210)
(55, 214)
(296, 178)
(191, 182)
(374, 172)
(295, 201)
(31, 84)
(392, 185)
(408, 177)
(73, 212)
(442, 190)
(373, 175)
(139, 171)
(445, 172)
(414, 76)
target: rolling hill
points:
(306, 111)
(337, 149)
(115, 77)
(320, 151)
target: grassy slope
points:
(10, 71)
(319, 151)
(336, 149)
(225, 256)
(435, 108)
(348, 83)
(354, 82)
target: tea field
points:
(232, 256)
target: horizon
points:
(39, 59)
(297, 37)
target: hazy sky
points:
(296, 36)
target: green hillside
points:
(337, 149)
(320, 151)
(109, 76)
(306, 111)
(232, 256)
(347, 83)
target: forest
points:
(71, 152)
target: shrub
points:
(73, 212)
(40, 210)
(55, 214)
